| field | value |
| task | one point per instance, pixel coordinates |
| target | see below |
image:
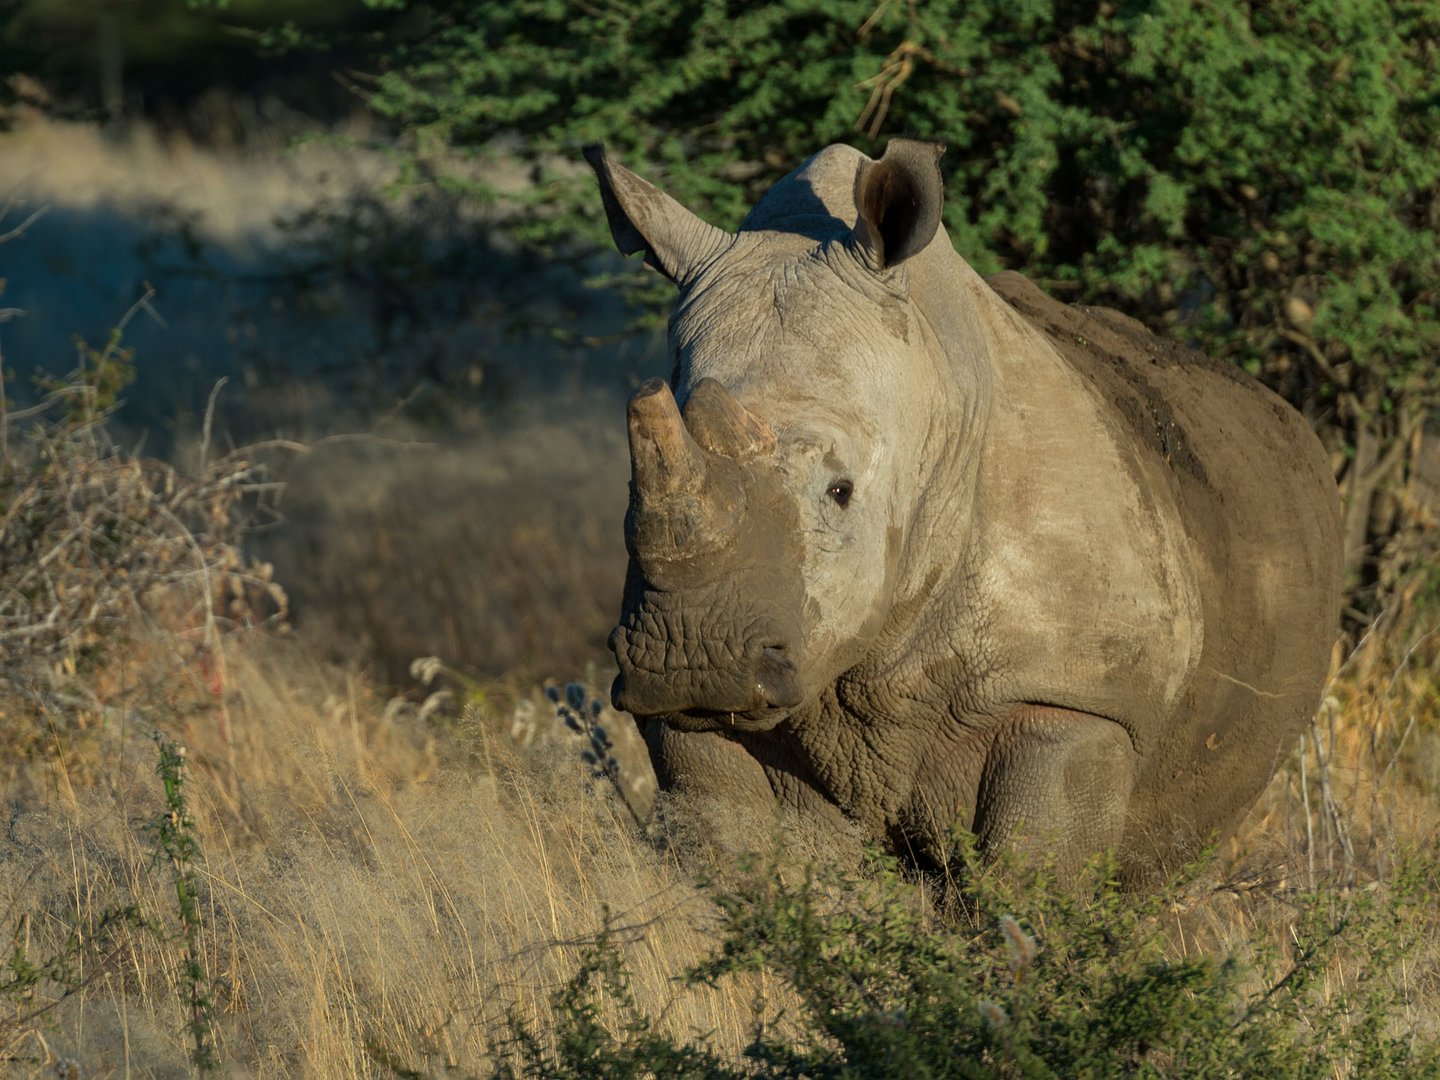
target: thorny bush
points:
(99, 546)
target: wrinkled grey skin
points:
(927, 550)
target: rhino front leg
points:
(717, 783)
(701, 763)
(1056, 782)
(747, 794)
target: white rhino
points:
(928, 550)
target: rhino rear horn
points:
(644, 218)
(722, 425)
(898, 201)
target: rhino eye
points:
(840, 491)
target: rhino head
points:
(777, 476)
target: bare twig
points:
(92, 537)
(209, 421)
(19, 230)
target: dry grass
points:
(367, 902)
(516, 571)
(240, 184)
(381, 891)
(92, 538)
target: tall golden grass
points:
(384, 892)
(377, 893)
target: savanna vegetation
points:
(308, 769)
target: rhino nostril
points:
(776, 658)
(776, 681)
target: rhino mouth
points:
(765, 712)
(753, 720)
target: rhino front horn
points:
(663, 456)
(684, 500)
(722, 425)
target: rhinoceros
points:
(915, 552)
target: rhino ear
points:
(898, 200)
(644, 218)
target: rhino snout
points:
(755, 696)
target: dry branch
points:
(96, 543)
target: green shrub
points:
(1026, 981)
(33, 982)
(177, 845)
(1260, 178)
